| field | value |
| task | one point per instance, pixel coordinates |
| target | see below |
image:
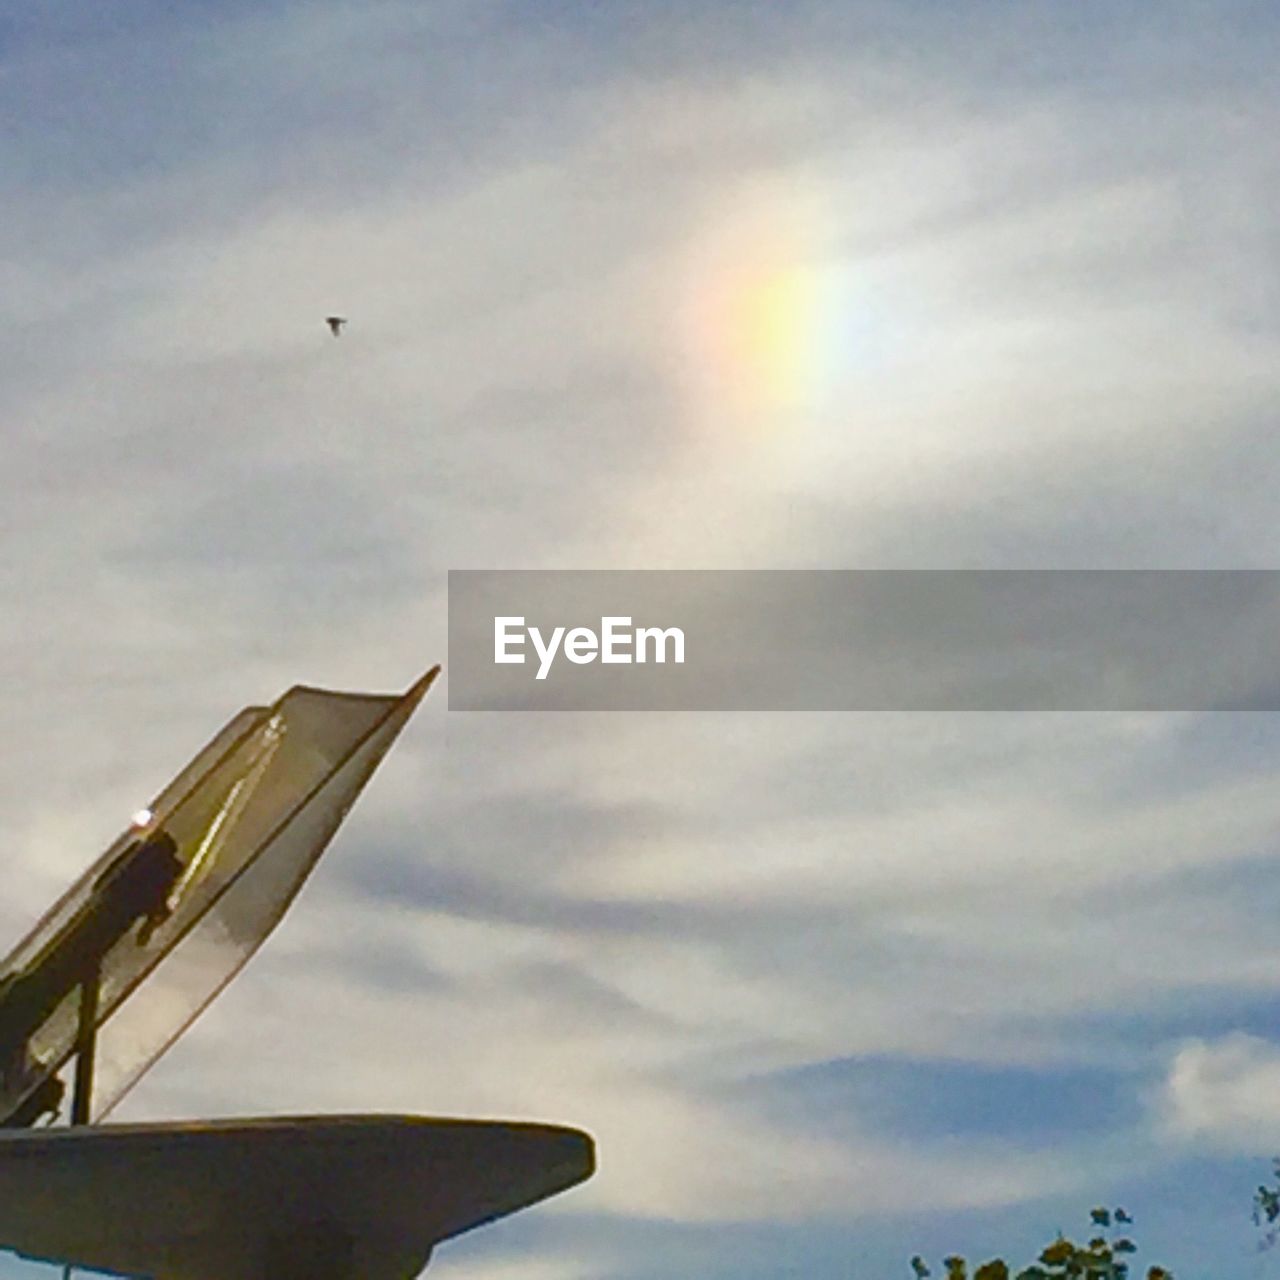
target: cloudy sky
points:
(697, 285)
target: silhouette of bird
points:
(335, 323)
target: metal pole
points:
(86, 1043)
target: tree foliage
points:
(1266, 1208)
(1107, 1255)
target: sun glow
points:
(771, 320)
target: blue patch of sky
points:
(270, 95)
(257, 108)
(15, 1268)
(1193, 1217)
(1196, 753)
(1244, 889)
(1149, 1033)
(910, 1098)
(106, 92)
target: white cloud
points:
(469, 1038)
(1225, 1093)
(555, 1267)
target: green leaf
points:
(1059, 1252)
(996, 1269)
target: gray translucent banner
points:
(863, 640)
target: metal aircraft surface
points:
(126, 960)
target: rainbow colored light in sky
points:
(774, 324)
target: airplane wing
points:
(318, 1198)
(251, 815)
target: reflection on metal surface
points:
(224, 821)
(248, 818)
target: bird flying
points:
(335, 323)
